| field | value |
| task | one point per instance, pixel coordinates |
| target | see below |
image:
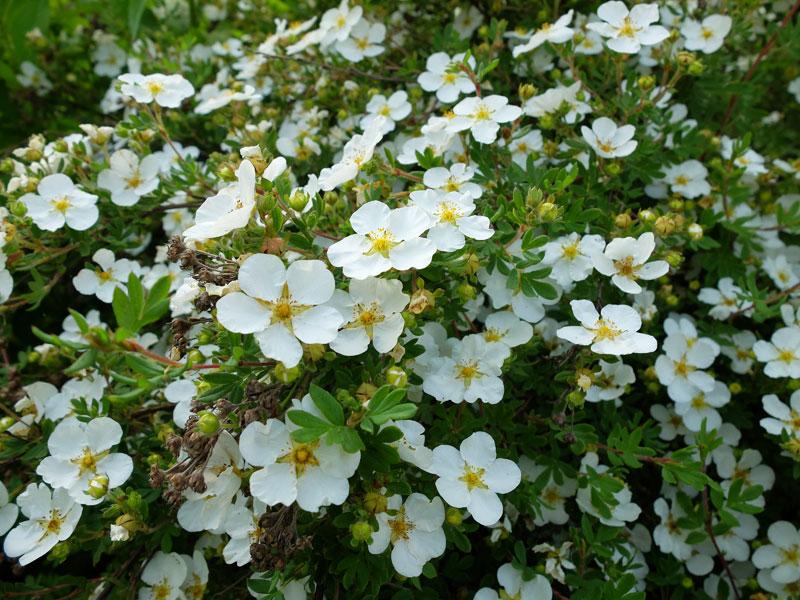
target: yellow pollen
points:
(104, 276)
(482, 114)
(155, 87)
(682, 368)
(467, 372)
(385, 110)
(627, 29)
(605, 147)
(786, 356)
(162, 591)
(473, 478)
(699, 402)
(362, 43)
(707, 33)
(605, 331)
(382, 241)
(87, 462)
(681, 180)
(400, 527)
(54, 523)
(570, 251)
(449, 78)
(493, 335)
(134, 180)
(626, 268)
(61, 205)
(550, 495)
(341, 21)
(282, 310)
(301, 456)
(448, 213)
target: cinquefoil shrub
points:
(400, 300)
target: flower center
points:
(681, 180)
(707, 33)
(382, 241)
(786, 356)
(341, 21)
(162, 591)
(52, 525)
(61, 204)
(400, 527)
(626, 268)
(448, 212)
(605, 146)
(682, 368)
(570, 251)
(87, 462)
(301, 456)
(197, 588)
(605, 331)
(551, 496)
(699, 402)
(493, 335)
(104, 276)
(134, 180)
(449, 78)
(467, 371)
(628, 29)
(473, 478)
(482, 114)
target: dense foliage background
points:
(134, 327)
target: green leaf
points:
(135, 12)
(327, 404)
(124, 313)
(385, 405)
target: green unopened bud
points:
(98, 487)
(284, 374)
(674, 258)
(793, 385)
(687, 583)
(396, 376)
(365, 391)
(623, 220)
(696, 68)
(195, 357)
(646, 82)
(672, 300)
(330, 197)
(298, 200)
(472, 263)
(695, 231)
(454, 517)
(32, 154)
(17, 208)
(5, 423)
(466, 291)
(735, 387)
(664, 225)
(526, 91)
(547, 211)
(59, 552)
(315, 351)
(613, 169)
(547, 121)
(375, 503)
(361, 531)
(6, 165)
(575, 398)
(208, 423)
(685, 58)
(647, 215)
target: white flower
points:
(313, 474)
(467, 20)
(384, 239)
(60, 201)
(443, 76)
(562, 101)
(370, 313)
(688, 179)
(784, 273)
(725, 299)
(608, 140)
(127, 178)
(609, 382)
(621, 511)
(194, 586)
(80, 456)
(557, 559)
(454, 179)
(281, 306)
(702, 407)
(782, 418)
(230, 209)
(505, 330)
(356, 153)
(337, 23)
(109, 59)
(707, 36)
(750, 160)
(208, 510)
(668, 535)
(163, 576)
(794, 89)
(166, 90)
(681, 366)
(530, 308)
(741, 351)
(112, 274)
(514, 586)
(748, 469)
(411, 447)
(364, 42)
(242, 527)
(118, 533)
(530, 144)
(471, 373)
(670, 423)
(451, 219)
(8, 510)
(571, 256)
(414, 530)
(625, 261)
(482, 116)
(555, 490)
(394, 108)
(629, 31)
(213, 97)
(555, 33)
(613, 331)
(472, 476)
(31, 76)
(781, 557)
(181, 393)
(781, 353)
(52, 517)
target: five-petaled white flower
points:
(482, 116)
(555, 33)
(112, 274)
(451, 219)
(514, 586)
(230, 209)
(163, 577)
(313, 474)
(128, 178)
(471, 373)
(613, 331)
(627, 30)
(414, 530)
(394, 108)
(444, 76)
(471, 476)
(608, 140)
(781, 353)
(370, 313)
(706, 36)
(688, 179)
(625, 261)
(52, 517)
(281, 306)
(571, 257)
(384, 239)
(781, 557)
(59, 202)
(166, 90)
(81, 460)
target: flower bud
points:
(285, 375)
(646, 82)
(472, 263)
(674, 258)
(365, 391)
(466, 292)
(98, 487)
(208, 423)
(547, 121)
(396, 376)
(421, 300)
(454, 516)
(526, 91)
(547, 211)
(5, 423)
(664, 226)
(647, 215)
(735, 387)
(361, 531)
(695, 231)
(575, 398)
(613, 169)
(375, 503)
(298, 200)
(17, 208)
